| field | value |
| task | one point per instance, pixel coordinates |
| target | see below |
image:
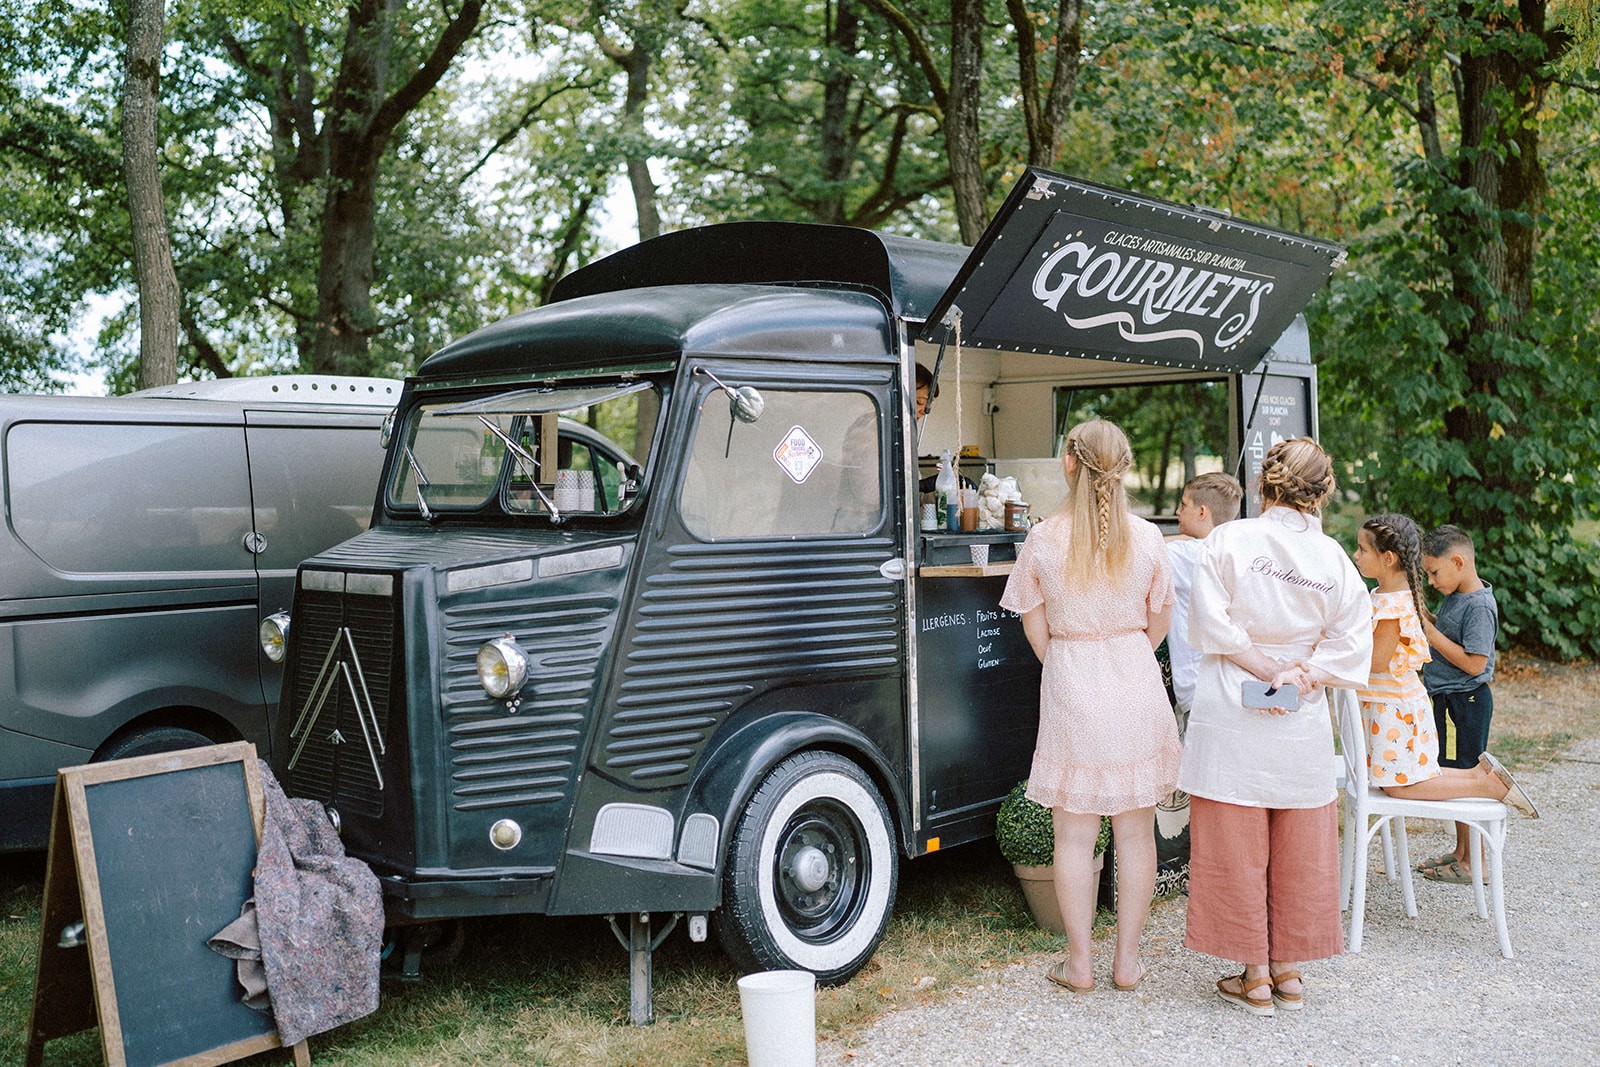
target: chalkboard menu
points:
(149, 857)
(978, 704)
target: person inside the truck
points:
(1092, 585)
(926, 390)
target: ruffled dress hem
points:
(1104, 790)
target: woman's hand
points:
(1303, 676)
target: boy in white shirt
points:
(1209, 500)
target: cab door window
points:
(811, 465)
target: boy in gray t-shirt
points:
(1462, 639)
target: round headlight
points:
(274, 634)
(502, 667)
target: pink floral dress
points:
(1108, 741)
(1402, 748)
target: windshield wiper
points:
(422, 481)
(525, 457)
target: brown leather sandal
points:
(1243, 999)
(1288, 1001)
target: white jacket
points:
(1277, 583)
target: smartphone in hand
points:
(1256, 694)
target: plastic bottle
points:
(946, 486)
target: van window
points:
(313, 487)
(811, 465)
(121, 498)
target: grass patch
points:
(536, 990)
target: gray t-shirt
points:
(1470, 620)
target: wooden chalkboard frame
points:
(75, 986)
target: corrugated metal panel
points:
(724, 621)
(499, 758)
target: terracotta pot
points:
(1039, 890)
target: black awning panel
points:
(1076, 269)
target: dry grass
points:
(534, 991)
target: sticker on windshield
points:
(798, 455)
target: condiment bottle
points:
(947, 488)
(1016, 514)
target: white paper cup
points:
(574, 490)
(780, 1018)
(980, 555)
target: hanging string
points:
(955, 319)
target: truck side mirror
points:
(745, 402)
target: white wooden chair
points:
(1365, 803)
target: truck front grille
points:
(336, 749)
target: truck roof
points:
(662, 321)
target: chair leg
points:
(1497, 889)
(1407, 891)
(1475, 843)
(1388, 851)
(1358, 896)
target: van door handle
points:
(894, 569)
(255, 543)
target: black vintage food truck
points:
(647, 624)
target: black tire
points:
(811, 871)
(153, 739)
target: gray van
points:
(146, 537)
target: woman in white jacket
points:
(1274, 600)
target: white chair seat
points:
(1365, 803)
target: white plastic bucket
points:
(780, 1018)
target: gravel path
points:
(1409, 996)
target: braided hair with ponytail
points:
(1097, 502)
(1397, 533)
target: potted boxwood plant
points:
(1025, 832)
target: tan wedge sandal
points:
(1243, 999)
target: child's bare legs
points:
(1135, 834)
(1074, 877)
(1454, 783)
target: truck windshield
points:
(562, 451)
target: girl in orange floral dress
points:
(1402, 748)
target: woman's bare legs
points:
(1074, 876)
(1135, 834)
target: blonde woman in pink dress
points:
(1093, 589)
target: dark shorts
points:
(1462, 722)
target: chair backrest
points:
(1352, 737)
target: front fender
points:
(738, 761)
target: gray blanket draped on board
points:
(309, 942)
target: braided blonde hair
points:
(1296, 474)
(1097, 502)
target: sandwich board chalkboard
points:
(152, 855)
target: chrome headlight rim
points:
(502, 667)
(273, 633)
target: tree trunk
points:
(840, 42)
(1044, 122)
(636, 63)
(152, 245)
(963, 144)
(1492, 257)
(362, 117)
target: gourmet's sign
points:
(1076, 269)
(1155, 279)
